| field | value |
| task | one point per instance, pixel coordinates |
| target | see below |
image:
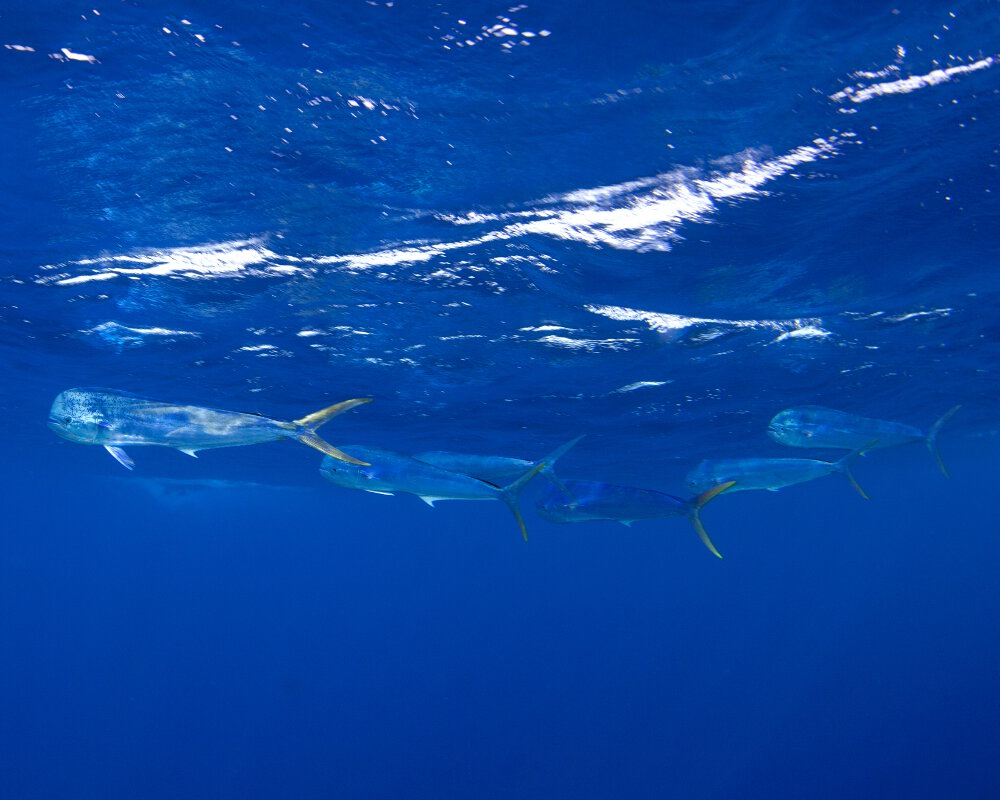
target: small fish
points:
(498, 470)
(389, 472)
(769, 473)
(587, 500)
(114, 419)
(816, 426)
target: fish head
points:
(76, 417)
(551, 503)
(786, 428)
(353, 476)
(701, 477)
(552, 507)
(562, 503)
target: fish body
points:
(767, 473)
(118, 419)
(388, 472)
(590, 500)
(816, 426)
(495, 469)
(581, 501)
(499, 470)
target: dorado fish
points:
(769, 473)
(389, 472)
(816, 426)
(590, 500)
(115, 419)
(498, 470)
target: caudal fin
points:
(512, 491)
(844, 466)
(696, 504)
(550, 461)
(932, 438)
(305, 429)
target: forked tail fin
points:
(932, 438)
(695, 505)
(844, 466)
(550, 461)
(512, 491)
(304, 429)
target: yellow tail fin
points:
(317, 418)
(696, 504)
(305, 429)
(509, 494)
(932, 438)
(310, 439)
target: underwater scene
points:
(460, 399)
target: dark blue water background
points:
(656, 225)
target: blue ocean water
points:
(655, 224)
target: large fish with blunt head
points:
(816, 426)
(771, 474)
(580, 501)
(498, 470)
(116, 420)
(389, 472)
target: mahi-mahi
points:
(592, 500)
(115, 419)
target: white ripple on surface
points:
(937, 312)
(641, 215)
(666, 323)
(126, 336)
(65, 54)
(225, 259)
(861, 94)
(405, 253)
(590, 345)
(640, 385)
(645, 214)
(805, 332)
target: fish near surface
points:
(116, 419)
(499, 470)
(816, 426)
(389, 472)
(494, 469)
(768, 473)
(593, 500)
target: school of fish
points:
(115, 419)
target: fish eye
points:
(66, 421)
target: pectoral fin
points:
(120, 456)
(376, 491)
(192, 453)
